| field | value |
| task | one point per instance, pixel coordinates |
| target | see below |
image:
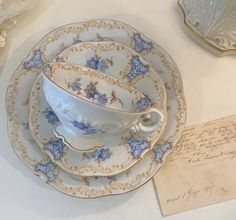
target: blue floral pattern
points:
(160, 151)
(92, 93)
(35, 62)
(56, 148)
(51, 117)
(86, 129)
(47, 169)
(148, 97)
(137, 147)
(76, 85)
(100, 99)
(101, 154)
(140, 44)
(143, 104)
(97, 63)
(137, 68)
(91, 90)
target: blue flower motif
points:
(140, 44)
(103, 66)
(56, 148)
(92, 63)
(101, 154)
(160, 150)
(86, 129)
(91, 90)
(143, 104)
(148, 97)
(51, 117)
(76, 85)
(47, 169)
(100, 99)
(97, 63)
(137, 147)
(35, 62)
(137, 68)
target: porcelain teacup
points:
(89, 102)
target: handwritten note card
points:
(201, 170)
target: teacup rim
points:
(141, 95)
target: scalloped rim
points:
(199, 38)
(40, 174)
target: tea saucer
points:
(113, 154)
(120, 62)
(17, 99)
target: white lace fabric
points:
(9, 12)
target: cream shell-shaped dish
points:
(46, 50)
(211, 23)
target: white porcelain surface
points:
(18, 95)
(89, 102)
(112, 154)
(213, 22)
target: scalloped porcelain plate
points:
(51, 45)
(114, 153)
(211, 23)
(117, 154)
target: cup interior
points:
(97, 88)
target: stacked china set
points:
(95, 108)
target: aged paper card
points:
(201, 170)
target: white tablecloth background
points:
(210, 90)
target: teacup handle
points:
(151, 121)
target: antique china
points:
(45, 51)
(211, 23)
(116, 60)
(117, 153)
(112, 154)
(90, 102)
